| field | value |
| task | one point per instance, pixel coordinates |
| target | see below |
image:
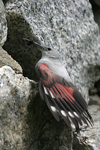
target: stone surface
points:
(3, 24)
(69, 27)
(25, 122)
(14, 98)
(92, 136)
(6, 59)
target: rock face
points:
(22, 123)
(3, 24)
(93, 136)
(69, 27)
(15, 92)
(6, 59)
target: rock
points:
(25, 122)
(69, 27)
(6, 59)
(3, 24)
(93, 91)
(14, 100)
(92, 136)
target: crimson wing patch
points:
(63, 99)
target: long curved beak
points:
(32, 42)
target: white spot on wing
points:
(72, 124)
(51, 94)
(45, 90)
(76, 114)
(53, 108)
(63, 113)
(70, 114)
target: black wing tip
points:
(78, 130)
(89, 122)
(90, 118)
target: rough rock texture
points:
(3, 24)
(92, 136)
(22, 123)
(14, 99)
(69, 27)
(6, 59)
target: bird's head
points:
(46, 51)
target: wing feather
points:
(52, 107)
(63, 99)
(65, 117)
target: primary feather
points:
(63, 98)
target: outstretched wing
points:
(63, 98)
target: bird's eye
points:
(49, 49)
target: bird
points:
(56, 88)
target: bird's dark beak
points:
(32, 42)
(36, 44)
